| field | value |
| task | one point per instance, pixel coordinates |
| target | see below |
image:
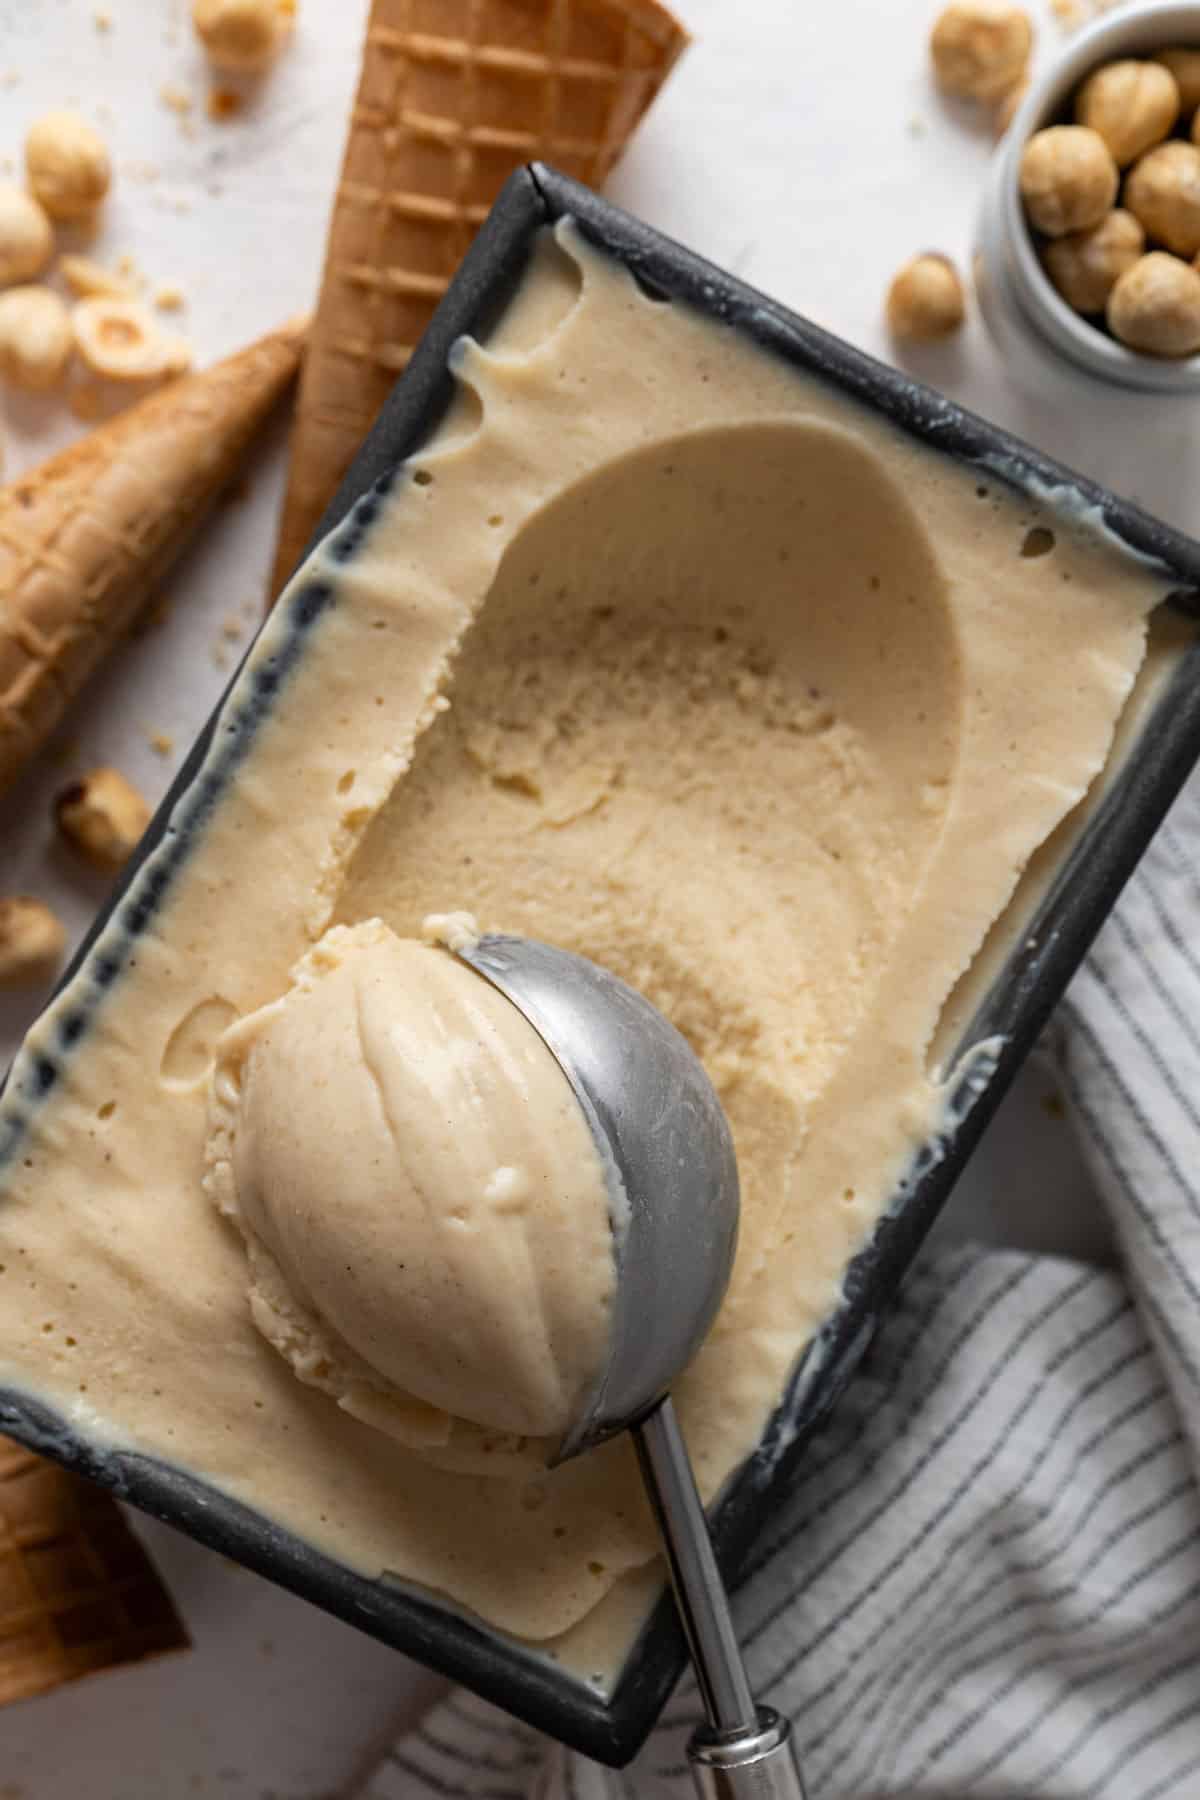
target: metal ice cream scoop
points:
(668, 1158)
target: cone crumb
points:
(32, 940)
(224, 103)
(170, 298)
(103, 815)
(176, 98)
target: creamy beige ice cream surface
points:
(663, 652)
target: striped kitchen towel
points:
(988, 1581)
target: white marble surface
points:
(799, 145)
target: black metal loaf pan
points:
(1013, 1011)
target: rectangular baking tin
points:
(1013, 1011)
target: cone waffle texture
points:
(77, 1591)
(453, 96)
(85, 536)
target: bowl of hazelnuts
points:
(1093, 217)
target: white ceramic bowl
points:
(1015, 294)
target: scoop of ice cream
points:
(425, 1213)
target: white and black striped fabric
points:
(988, 1582)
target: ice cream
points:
(661, 651)
(425, 1213)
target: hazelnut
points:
(980, 48)
(35, 337)
(123, 341)
(26, 235)
(1132, 105)
(1068, 179)
(1162, 192)
(67, 165)
(31, 941)
(1185, 67)
(103, 815)
(1085, 264)
(1155, 306)
(925, 299)
(242, 35)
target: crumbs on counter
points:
(176, 98)
(170, 297)
(161, 742)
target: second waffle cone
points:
(453, 96)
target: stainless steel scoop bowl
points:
(673, 1187)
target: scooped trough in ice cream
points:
(426, 1215)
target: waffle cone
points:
(77, 1591)
(452, 97)
(85, 536)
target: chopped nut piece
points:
(1132, 105)
(1085, 265)
(35, 337)
(67, 165)
(243, 35)
(925, 299)
(177, 98)
(103, 815)
(1068, 179)
(88, 278)
(32, 940)
(26, 235)
(120, 339)
(980, 48)
(1155, 306)
(1162, 192)
(1185, 67)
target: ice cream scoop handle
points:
(745, 1752)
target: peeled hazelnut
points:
(980, 48)
(1068, 179)
(26, 235)
(1132, 105)
(1155, 306)
(35, 337)
(103, 815)
(1084, 265)
(31, 941)
(67, 165)
(242, 35)
(1185, 67)
(925, 299)
(1162, 192)
(123, 341)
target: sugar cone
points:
(452, 97)
(77, 1591)
(85, 536)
